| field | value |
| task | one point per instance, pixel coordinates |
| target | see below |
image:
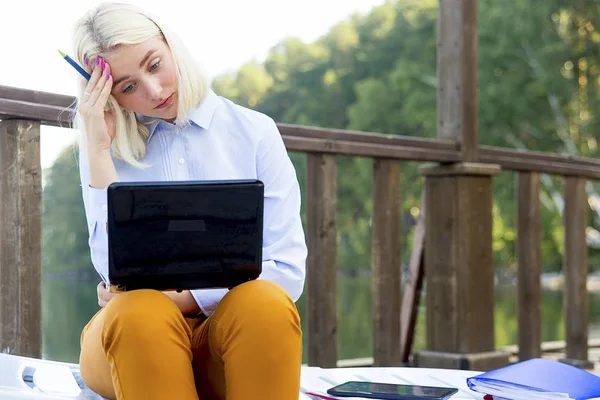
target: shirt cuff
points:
(98, 204)
(208, 299)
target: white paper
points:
(56, 380)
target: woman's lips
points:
(168, 101)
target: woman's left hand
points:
(104, 295)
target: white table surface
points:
(313, 379)
(319, 379)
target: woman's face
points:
(145, 78)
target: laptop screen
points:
(196, 234)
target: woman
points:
(147, 113)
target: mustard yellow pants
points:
(140, 347)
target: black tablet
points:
(390, 391)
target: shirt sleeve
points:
(284, 245)
(96, 213)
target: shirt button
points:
(104, 207)
(181, 161)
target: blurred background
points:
(364, 65)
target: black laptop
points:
(184, 235)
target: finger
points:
(87, 67)
(87, 64)
(95, 94)
(94, 79)
(105, 92)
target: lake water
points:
(69, 304)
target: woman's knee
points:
(142, 312)
(264, 301)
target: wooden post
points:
(458, 238)
(459, 272)
(575, 271)
(20, 238)
(386, 263)
(321, 195)
(529, 270)
(457, 74)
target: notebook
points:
(184, 235)
(537, 378)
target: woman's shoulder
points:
(244, 118)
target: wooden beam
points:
(575, 269)
(529, 291)
(459, 272)
(458, 256)
(349, 148)
(457, 75)
(397, 139)
(386, 263)
(20, 238)
(321, 195)
(414, 284)
(56, 109)
(48, 114)
(526, 161)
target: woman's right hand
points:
(104, 294)
(99, 124)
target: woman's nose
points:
(154, 91)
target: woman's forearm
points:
(102, 169)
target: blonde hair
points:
(111, 25)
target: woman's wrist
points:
(95, 154)
(184, 301)
(102, 168)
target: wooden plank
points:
(366, 137)
(441, 273)
(414, 284)
(529, 288)
(529, 156)
(20, 230)
(457, 75)
(55, 109)
(515, 160)
(48, 114)
(575, 269)
(36, 96)
(458, 256)
(349, 148)
(321, 232)
(555, 346)
(386, 263)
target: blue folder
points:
(539, 374)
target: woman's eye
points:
(154, 66)
(129, 88)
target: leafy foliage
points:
(538, 79)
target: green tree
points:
(69, 280)
(64, 229)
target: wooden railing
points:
(455, 236)
(23, 112)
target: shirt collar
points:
(201, 115)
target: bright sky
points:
(224, 34)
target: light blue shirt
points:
(222, 141)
